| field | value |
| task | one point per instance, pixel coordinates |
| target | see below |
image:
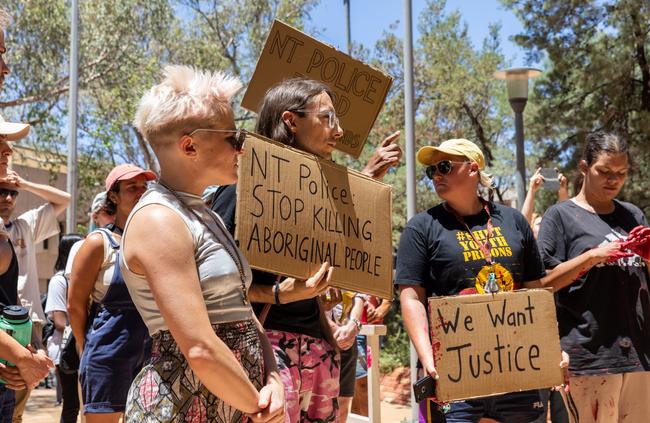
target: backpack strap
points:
(114, 244)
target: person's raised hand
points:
(536, 180)
(563, 191)
(12, 178)
(387, 155)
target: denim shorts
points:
(514, 407)
(7, 403)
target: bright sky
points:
(369, 18)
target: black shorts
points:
(348, 371)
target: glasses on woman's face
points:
(236, 140)
(443, 166)
(332, 119)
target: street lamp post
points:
(517, 83)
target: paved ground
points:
(41, 408)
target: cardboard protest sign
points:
(491, 344)
(295, 212)
(359, 89)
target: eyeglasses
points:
(443, 166)
(332, 119)
(5, 192)
(237, 140)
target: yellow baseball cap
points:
(457, 147)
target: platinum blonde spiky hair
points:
(186, 97)
(5, 19)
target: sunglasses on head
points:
(236, 140)
(443, 166)
(4, 192)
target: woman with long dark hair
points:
(56, 310)
(603, 312)
(300, 113)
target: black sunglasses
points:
(237, 140)
(443, 166)
(5, 192)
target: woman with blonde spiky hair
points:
(210, 359)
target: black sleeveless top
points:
(9, 281)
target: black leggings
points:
(70, 395)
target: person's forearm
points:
(565, 273)
(11, 350)
(216, 366)
(265, 294)
(528, 207)
(357, 309)
(37, 338)
(52, 195)
(78, 320)
(258, 293)
(60, 321)
(384, 308)
(415, 320)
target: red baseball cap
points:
(127, 171)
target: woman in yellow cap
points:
(465, 245)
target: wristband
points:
(276, 292)
(357, 324)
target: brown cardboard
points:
(524, 335)
(338, 215)
(359, 89)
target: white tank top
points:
(219, 275)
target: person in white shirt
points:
(55, 308)
(25, 231)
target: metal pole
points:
(518, 105)
(409, 126)
(348, 30)
(71, 215)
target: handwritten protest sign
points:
(490, 344)
(359, 89)
(295, 211)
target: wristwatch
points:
(357, 323)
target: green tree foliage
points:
(597, 77)
(122, 48)
(456, 96)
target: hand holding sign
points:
(292, 290)
(387, 155)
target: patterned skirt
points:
(167, 390)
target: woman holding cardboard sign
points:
(210, 358)
(462, 246)
(603, 313)
(300, 113)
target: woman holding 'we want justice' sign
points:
(466, 245)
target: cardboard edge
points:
(485, 298)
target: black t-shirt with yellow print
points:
(436, 252)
